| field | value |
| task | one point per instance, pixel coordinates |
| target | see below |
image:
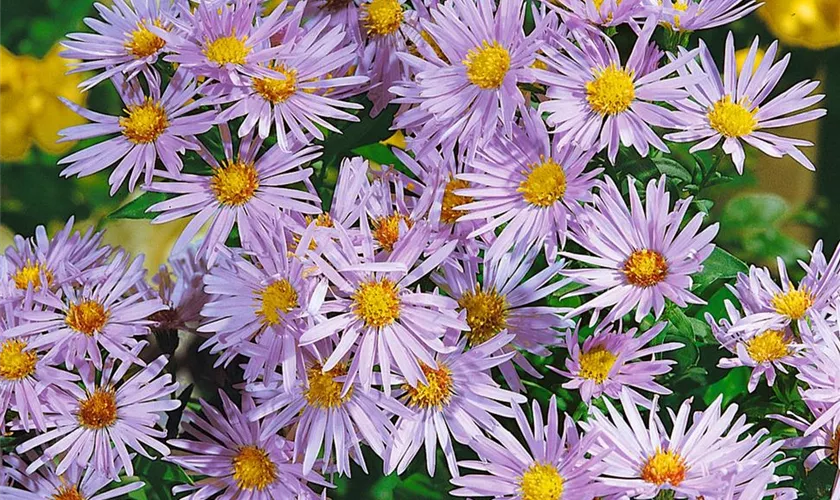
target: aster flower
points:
(374, 310)
(326, 418)
(504, 302)
(640, 255)
(245, 189)
(469, 90)
(154, 127)
(819, 373)
(765, 352)
(595, 102)
(54, 261)
(78, 482)
(554, 465)
(261, 299)
(298, 102)
(701, 455)
(769, 306)
(179, 286)
(825, 438)
(694, 15)
(96, 424)
(611, 361)
(122, 42)
(236, 459)
(736, 108)
(528, 183)
(226, 41)
(77, 323)
(458, 398)
(605, 12)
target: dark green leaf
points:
(720, 265)
(136, 208)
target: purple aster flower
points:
(640, 254)
(825, 438)
(55, 261)
(78, 482)
(327, 417)
(298, 102)
(554, 465)
(226, 41)
(77, 323)
(761, 487)
(96, 424)
(27, 380)
(457, 398)
(765, 352)
(374, 310)
(154, 127)
(604, 12)
(122, 42)
(737, 107)
(245, 189)
(528, 184)
(694, 15)
(466, 92)
(702, 454)
(504, 301)
(819, 373)
(235, 459)
(595, 102)
(179, 286)
(261, 298)
(769, 306)
(611, 361)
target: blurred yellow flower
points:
(155, 241)
(814, 24)
(31, 111)
(741, 58)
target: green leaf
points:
(136, 208)
(379, 153)
(672, 169)
(159, 477)
(754, 210)
(720, 265)
(730, 386)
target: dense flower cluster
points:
(406, 308)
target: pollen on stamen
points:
(277, 90)
(87, 317)
(545, 184)
(99, 410)
(386, 230)
(30, 274)
(67, 492)
(449, 213)
(142, 43)
(145, 122)
(487, 313)
(323, 391)
(541, 482)
(645, 268)
(253, 469)
(227, 50)
(612, 91)
(275, 300)
(487, 65)
(436, 393)
(768, 346)
(596, 364)
(794, 303)
(235, 183)
(377, 303)
(16, 362)
(732, 119)
(382, 17)
(664, 467)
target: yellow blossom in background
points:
(155, 241)
(30, 111)
(397, 140)
(741, 58)
(814, 24)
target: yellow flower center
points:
(30, 274)
(382, 17)
(436, 393)
(664, 467)
(596, 364)
(99, 410)
(386, 230)
(324, 390)
(487, 65)
(545, 184)
(324, 220)
(449, 214)
(645, 268)
(15, 361)
(541, 482)
(487, 313)
(612, 91)
(67, 493)
(681, 5)
(732, 119)
(235, 183)
(143, 43)
(227, 50)
(277, 297)
(793, 303)
(88, 317)
(145, 122)
(253, 468)
(771, 345)
(377, 303)
(277, 90)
